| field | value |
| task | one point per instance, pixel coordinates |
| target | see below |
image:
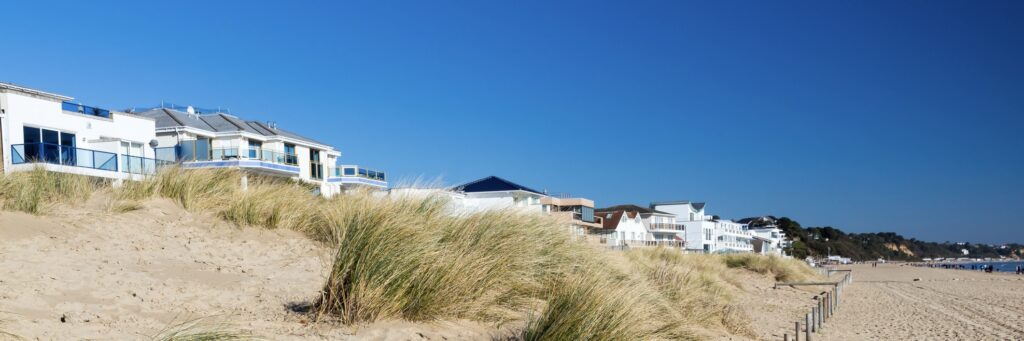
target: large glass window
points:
(316, 170)
(51, 145)
(289, 154)
(255, 147)
(32, 147)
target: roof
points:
(218, 123)
(611, 219)
(633, 208)
(10, 86)
(696, 205)
(492, 184)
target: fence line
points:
(826, 303)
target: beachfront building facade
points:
(661, 227)
(495, 193)
(39, 129)
(219, 140)
(769, 240)
(704, 232)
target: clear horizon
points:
(864, 116)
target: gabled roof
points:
(492, 184)
(612, 218)
(634, 208)
(218, 123)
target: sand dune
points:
(87, 274)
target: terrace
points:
(356, 175)
(64, 155)
(85, 110)
(198, 154)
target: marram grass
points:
(408, 257)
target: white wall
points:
(26, 110)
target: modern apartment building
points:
(704, 232)
(219, 140)
(52, 131)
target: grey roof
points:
(219, 122)
(696, 205)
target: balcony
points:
(142, 165)
(356, 175)
(273, 162)
(667, 227)
(63, 155)
(85, 110)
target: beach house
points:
(660, 227)
(54, 132)
(198, 138)
(493, 192)
(768, 240)
(704, 232)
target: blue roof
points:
(492, 184)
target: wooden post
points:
(785, 337)
(821, 312)
(807, 335)
(796, 336)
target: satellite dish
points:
(190, 110)
(153, 143)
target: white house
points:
(623, 229)
(220, 140)
(769, 240)
(496, 193)
(661, 227)
(705, 233)
(42, 129)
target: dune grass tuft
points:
(201, 329)
(781, 268)
(37, 190)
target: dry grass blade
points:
(200, 329)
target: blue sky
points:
(863, 115)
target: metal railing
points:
(175, 154)
(63, 155)
(667, 226)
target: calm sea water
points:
(1009, 266)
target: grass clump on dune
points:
(37, 190)
(200, 330)
(781, 268)
(404, 258)
(697, 287)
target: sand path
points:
(886, 303)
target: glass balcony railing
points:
(142, 165)
(272, 156)
(668, 226)
(85, 110)
(179, 154)
(356, 171)
(63, 155)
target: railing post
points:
(796, 335)
(807, 324)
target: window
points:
(48, 146)
(316, 170)
(289, 154)
(255, 149)
(349, 171)
(195, 150)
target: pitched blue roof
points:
(492, 184)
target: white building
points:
(769, 240)
(660, 227)
(220, 140)
(41, 129)
(703, 232)
(492, 193)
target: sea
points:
(1001, 266)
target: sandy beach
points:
(886, 303)
(83, 273)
